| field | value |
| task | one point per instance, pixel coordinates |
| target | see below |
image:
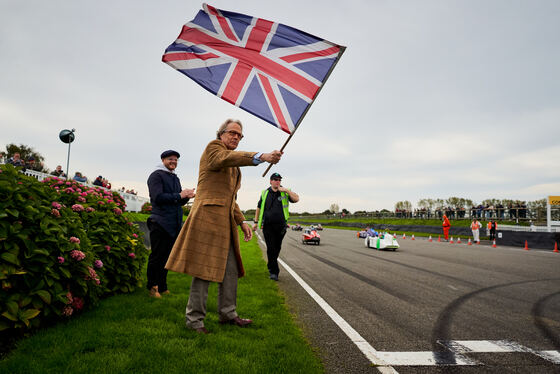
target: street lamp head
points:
(67, 136)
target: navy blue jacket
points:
(166, 201)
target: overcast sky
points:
(431, 99)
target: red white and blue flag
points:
(266, 68)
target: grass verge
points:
(137, 334)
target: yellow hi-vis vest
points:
(285, 204)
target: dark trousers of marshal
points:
(273, 235)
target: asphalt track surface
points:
(428, 307)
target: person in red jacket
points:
(446, 227)
(492, 226)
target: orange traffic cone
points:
(555, 247)
(412, 237)
(439, 238)
(526, 246)
(469, 243)
(458, 240)
(430, 238)
(404, 235)
(451, 241)
(494, 244)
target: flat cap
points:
(170, 152)
(275, 176)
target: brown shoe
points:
(154, 292)
(241, 322)
(166, 292)
(202, 330)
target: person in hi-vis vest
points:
(272, 217)
(475, 227)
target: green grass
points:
(136, 217)
(362, 222)
(137, 334)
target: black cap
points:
(170, 153)
(275, 175)
(31, 158)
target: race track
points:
(426, 308)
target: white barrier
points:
(133, 202)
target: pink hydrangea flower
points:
(100, 203)
(67, 311)
(78, 208)
(55, 212)
(60, 259)
(69, 298)
(56, 205)
(108, 248)
(78, 303)
(129, 223)
(90, 209)
(98, 264)
(68, 183)
(83, 194)
(81, 199)
(132, 255)
(73, 239)
(135, 235)
(77, 255)
(117, 211)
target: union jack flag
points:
(269, 69)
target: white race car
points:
(383, 241)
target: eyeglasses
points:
(235, 133)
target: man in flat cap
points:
(167, 197)
(208, 246)
(272, 217)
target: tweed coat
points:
(202, 247)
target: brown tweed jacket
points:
(202, 247)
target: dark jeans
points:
(273, 235)
(492, 234)
(161, 243)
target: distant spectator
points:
(58, 172)
(98, 181)
(3, 158)
(32, 165)
(78, 177)
(16, 160)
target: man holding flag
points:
(208, 245)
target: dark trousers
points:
(492, 234)
(273, 235)
(161, 243)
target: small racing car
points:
(297, 227)
(310, 236)
(382, 241)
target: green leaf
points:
(4, 325)
(10, 257)
(65, 272)
(14, 213)
(12, 307)
(45, 295)
(42, 252)
(9, 316)
(29, 314)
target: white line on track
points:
(356, 338)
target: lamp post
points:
(67, 136)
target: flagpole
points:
(342, 49)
